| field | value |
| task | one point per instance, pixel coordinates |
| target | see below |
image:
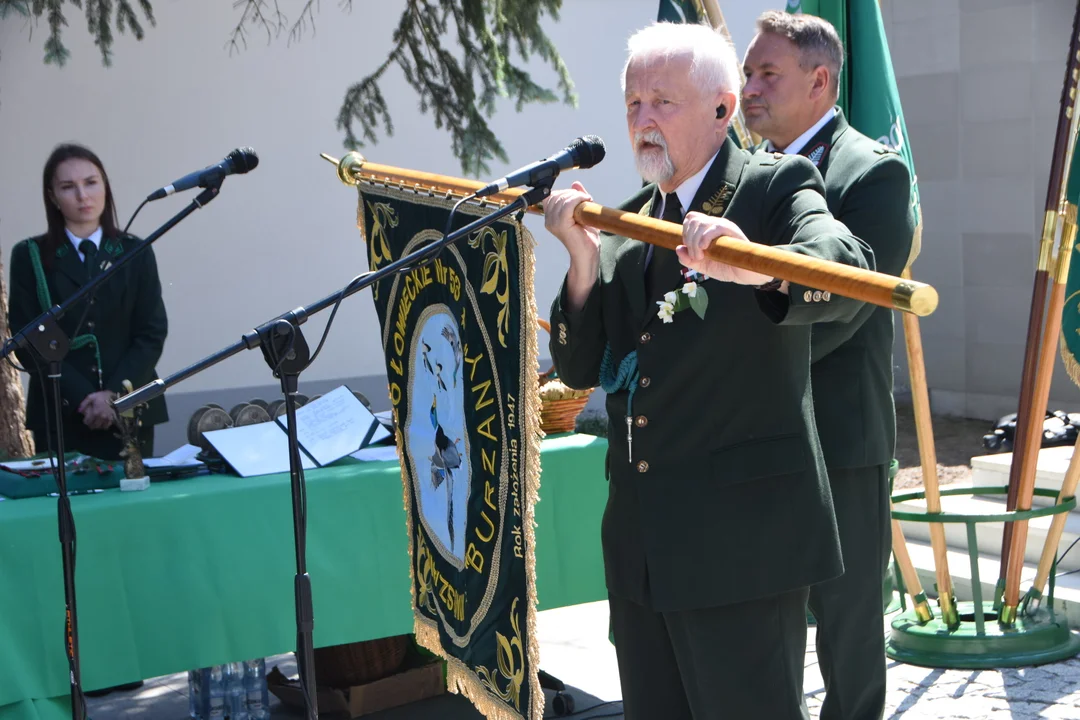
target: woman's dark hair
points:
(55, 236)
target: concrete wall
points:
(980, 82)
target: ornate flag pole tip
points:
(347, 167)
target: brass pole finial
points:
(347, 167)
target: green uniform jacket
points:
(868, 188)
(726, 497)
(127, 315)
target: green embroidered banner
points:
(460, 339)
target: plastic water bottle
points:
(194, 695)
(215, 706)
(236, 691)
(258, 695)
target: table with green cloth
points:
(196, 572)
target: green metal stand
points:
(1035, 638)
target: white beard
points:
(653, 166)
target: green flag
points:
(678, 11)
(868, 93)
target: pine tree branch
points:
(101, 16)
(14, 7)
(460, 56)
(257, 13)
(461, 93)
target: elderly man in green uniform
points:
(718, 517)
(792, 72)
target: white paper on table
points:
(377, 453)
(259, 449)
(181, 456)
(335, 425)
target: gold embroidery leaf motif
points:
(511, 659)
(382, 217)
(717, 204)
(495, 276)
(425, 591)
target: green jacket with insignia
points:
(868, 188)
(725, 498)
(127, 315)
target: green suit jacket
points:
(868, 188)
(127, 315)
(725, 498)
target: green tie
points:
(89, 251)
(662, 274)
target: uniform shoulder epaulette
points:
(766, 159)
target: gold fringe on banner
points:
(1069, 361)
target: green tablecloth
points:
(192, 573)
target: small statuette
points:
(129, 421)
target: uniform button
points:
(93, 368)
(643, 467)
(645, 337)
(817, 296)
(90, 325)
(807, 296)
(641, 421)
(826, 296)
(644, 382)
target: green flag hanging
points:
(460, 339)
(868, 93)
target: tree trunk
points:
(15, 439)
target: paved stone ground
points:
(917, 693)
(574, 647)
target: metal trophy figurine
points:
(128, 422)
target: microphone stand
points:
(44, 337)
(286, 352)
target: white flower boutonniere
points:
(691, 295)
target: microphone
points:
(237, 162)
(583, 153)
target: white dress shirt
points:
(800, 142)
(95, 237)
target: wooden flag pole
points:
(1040, 397)
(845, 280)
(923, 613)
(1025, 456)
(1053, 536)
(920, 400)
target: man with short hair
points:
(792, 71)
(718, 516)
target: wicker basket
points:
(559, 416)
(343, 666)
